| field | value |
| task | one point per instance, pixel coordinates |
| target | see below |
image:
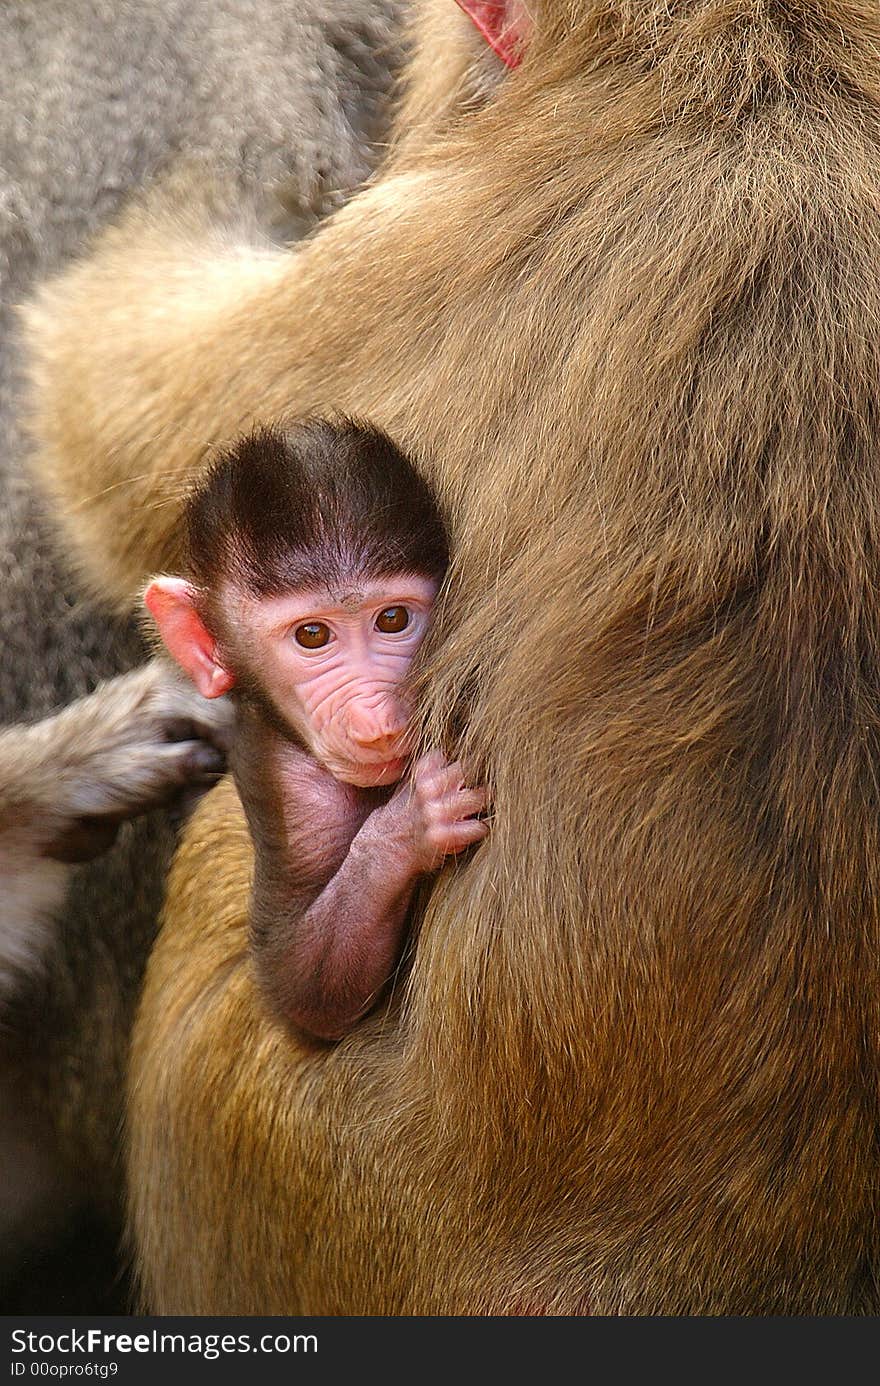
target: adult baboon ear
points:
(504, 24)
(171, 601)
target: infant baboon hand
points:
(440, 810)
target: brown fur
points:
(311, 505)
(629, 315)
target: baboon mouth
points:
(372, 774)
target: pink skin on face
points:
(333, 662)
(334, 870)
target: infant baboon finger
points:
(469, 831)
(451, 779)
(479, 795)
(462, 803)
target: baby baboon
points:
(315, 555)
(627, 315)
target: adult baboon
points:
(97, 100)
(628, 314)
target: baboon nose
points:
(378, 730)
(383, 743)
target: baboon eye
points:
(312, 635)
(392, 620)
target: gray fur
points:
(98, 98)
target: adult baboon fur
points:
(97, 100)
(628, 314)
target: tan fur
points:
(130, 746)
(451, 70)
(629, 315)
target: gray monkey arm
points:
(68, 781)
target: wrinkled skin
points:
(97, 103)
(324, 725)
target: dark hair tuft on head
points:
(312, 505)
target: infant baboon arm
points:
(314, 556)
(335, 876)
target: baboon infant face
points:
(332, 664)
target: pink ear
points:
(504, 24)
(171, 603)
